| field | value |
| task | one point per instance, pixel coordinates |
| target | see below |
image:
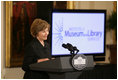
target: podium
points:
(61, 68)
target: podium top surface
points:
(56, 65)
(60, 64)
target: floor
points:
(13, 73)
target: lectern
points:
(61, 68)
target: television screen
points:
(84, 29)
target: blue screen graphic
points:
(83, 30)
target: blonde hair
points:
(38, 25)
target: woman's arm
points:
(41, 60)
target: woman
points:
(37, 50)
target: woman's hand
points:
(52, 58)
(41, 60)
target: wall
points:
(2, 39)
(17, 73)
(106, 5)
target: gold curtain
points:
(8, 31)
(70, 4)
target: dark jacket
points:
(34, 51)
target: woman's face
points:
(42, 35)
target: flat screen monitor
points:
(84, 29)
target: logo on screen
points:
(58, 31)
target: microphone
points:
(68, 46)
(65, 46)
(71, 48)
(75, 48)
